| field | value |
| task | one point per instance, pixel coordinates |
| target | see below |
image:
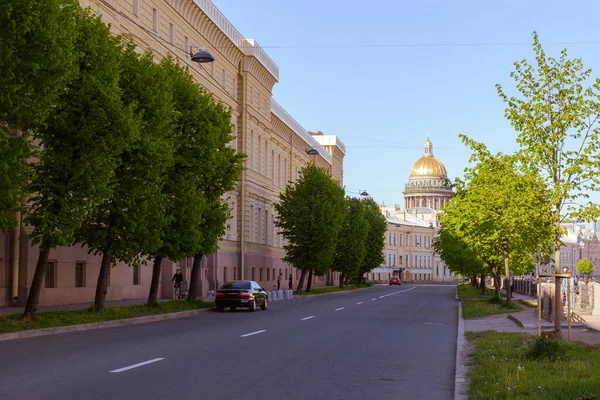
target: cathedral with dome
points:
(428, 185)
(411, 232)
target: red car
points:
(394, 280)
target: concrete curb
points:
(99, 325)
(461, 383)
(310, 296)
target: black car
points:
(241, 294)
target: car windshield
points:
(236, 285)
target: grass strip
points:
(487, 307)
(521, 366)
(52, 319)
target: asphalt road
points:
(381, 343)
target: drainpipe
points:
(243, 185)
(16, 257)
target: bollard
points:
(280, 295)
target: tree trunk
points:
(155, 281)
(36, 285)
(309, 283)
(194, 278)
(102, 284)
(483, 285)
(496, 285)
(507, 273)
(473, 280)
(558, 306)
(301, 281)
(342, 277)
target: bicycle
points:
(177, 294)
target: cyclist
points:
(177, 278)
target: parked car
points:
(394, 280)
(243, 294)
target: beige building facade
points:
(242, 78)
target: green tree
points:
(30, 85)
(351, 250)
(584, 266)
(310, 213)
(375, 241)
(84, 137)
(38, 58)
(556, 116)
(130, 222)
(452, 249)
(504, 212)
(204, 168)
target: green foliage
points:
(556, 117)
(130, 222)
(375, 241)
(499, 213)
(544, 348)
(351, 249)
(84, 137)
(585, 266)
(38, 58)
(14, 175)
(204, 168)
(310, 214)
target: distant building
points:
(410, 233)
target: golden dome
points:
(428, 165)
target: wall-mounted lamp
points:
(202, 56)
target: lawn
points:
(483, 308)
(502, 369)
(51, 319)
(466, 291)
(332, 289)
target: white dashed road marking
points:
(373, 299)
(338, 309)
(137, 365)
(253, 333)
(360, 302)
(311, 317)
(433, 323)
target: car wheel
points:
(252, 306)
(265, 305)
(390, 284)
(232, 308)
(220, 308)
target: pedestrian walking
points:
(291, 280)
(279, 280)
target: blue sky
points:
(411, 73)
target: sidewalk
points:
(580, 331)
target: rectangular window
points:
(252, 223)
(224, 274)
(171, 33)
(266, 227)
(266, 158)
(273, 166)
(285, 177)
(136, 274)
(259, 227)
(259, 101)
(394, 239)
(253, 274)
(79, 274)
(252, 95)
(50, 277)
(186, 46)
(235, 87)
(251, 150)
(268, 274)
(136, 7)
(224, 79)
(3, 274)
(400, 258)
(266, 108)
(155, 20)
(279, 170)
(259, 160)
